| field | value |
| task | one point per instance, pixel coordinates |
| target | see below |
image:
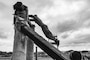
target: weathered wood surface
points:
(43, 44)
(23, 46)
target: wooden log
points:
(20, 40)
(19, 46)
(44, 44)
(23, 46)
(30, 50)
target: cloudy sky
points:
(69, 19)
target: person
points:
(45, 29)
(19, 7)
(76, 55)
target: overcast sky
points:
(69, 19)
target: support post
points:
(36, 54)
(19, 46)
(30, 50)
(23, 46)
(30, 46)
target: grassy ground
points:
(5, 58)
(39, 58)
(44, 58)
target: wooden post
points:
(19, 46)
(23, 46)
(30, 50)
(30, 45)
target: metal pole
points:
(36, 53)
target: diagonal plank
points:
(43, 44)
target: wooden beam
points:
(43, 44)
(23, 46)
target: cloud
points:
(66, 15)
(64, 36)
(71, 22)
(67, 18)
(78, 47)
(63, 7)
(5, 11)
(80, 39)
(6, 45)
(8, 2)
(2, 35)
(67, 26)
(2, 6)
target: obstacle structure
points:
(23, 46)
(25, 36)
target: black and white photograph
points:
(44, 29)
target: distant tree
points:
(84, 51)
(1, 52)
(9, 52)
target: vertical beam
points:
(30, 45)
(30, 50)
(23, 46)
(19, 46)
